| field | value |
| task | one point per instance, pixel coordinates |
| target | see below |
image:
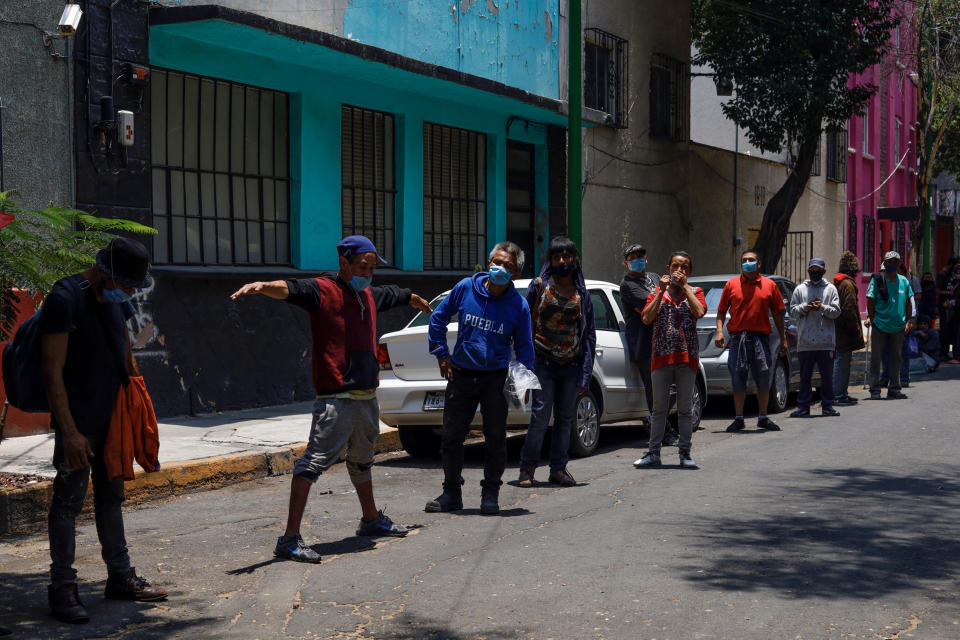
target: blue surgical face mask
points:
(114, 296)
(638, 264)
(749, 266)
(359, 283)
(499, 275)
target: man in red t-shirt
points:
(751, 300)
(673, 312)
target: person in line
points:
(952, 332)
(346, 416)
(849, 327)
(928, 339)
(945, 306)
(491, 315)
(564, 340)
(86, 359)
(673, 312)
(890, 310)
(637, 286)
(815, 305)
(751, 299)
(928, 297)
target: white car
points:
(411, 391)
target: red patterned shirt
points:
(675, 331)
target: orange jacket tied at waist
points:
(133, 432)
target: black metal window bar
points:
(869, 251)
(837, 155)
(605, 77)
(367, 177)
(852, 232)
(669, 97)
(454, 198)
(900, 238)
(795, 255)
(220, 169)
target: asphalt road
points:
(833, 528)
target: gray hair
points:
(511, 248)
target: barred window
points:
(869, 251)
(605, 74)
(900, 238)
(367, 178)
(817, 160)
(837, 155)
(852, 232)
(454, 197)
(220, 172)
(669, 98)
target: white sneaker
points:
(686, 462)
(648, 460)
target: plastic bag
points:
(911, 346)
(519, 381)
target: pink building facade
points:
(881, 157)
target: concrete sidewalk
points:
(196, 452)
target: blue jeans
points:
(841, 374)
(558, 394)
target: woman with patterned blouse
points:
(563, 339)
(673, 312)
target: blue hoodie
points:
(487, 325)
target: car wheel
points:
(586, 428)
(419, 441)
(779, 388)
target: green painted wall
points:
(320, 80)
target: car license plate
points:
(433, 401)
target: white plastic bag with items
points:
(519, 381)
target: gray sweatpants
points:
(662, 378)
(341, 424)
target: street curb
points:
(25, 506)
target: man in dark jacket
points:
(564, 340)
(86, 358)
(848, 325)
(491, 315)
(346, 416)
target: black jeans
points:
(464, 392)
(69, 490)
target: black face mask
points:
(926, 284)
(815, 276)
(564, 269)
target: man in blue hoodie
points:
(491, 314)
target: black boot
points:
(449, 500)
(65, 604)
(488, 500)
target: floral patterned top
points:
(556, 320)
(675, 338)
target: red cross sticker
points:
(129, 133)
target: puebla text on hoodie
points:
(487, 326)
(815, 329)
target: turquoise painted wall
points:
(510, 41)
(319, 81)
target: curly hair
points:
(849, 263)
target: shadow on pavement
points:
(24, 611)
(411, 627)
(852, 542)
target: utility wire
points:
(880, 186)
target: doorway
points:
(521, 202)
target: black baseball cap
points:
(634, 248)
(127, 262)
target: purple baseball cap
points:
(352, 245)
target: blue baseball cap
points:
(817, 262)
(352, 245)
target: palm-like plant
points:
(39, 247)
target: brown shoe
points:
(65, 604)
(132, 587)
(562, 478)
(526, 476)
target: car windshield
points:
(712, 290)
(422, 319)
